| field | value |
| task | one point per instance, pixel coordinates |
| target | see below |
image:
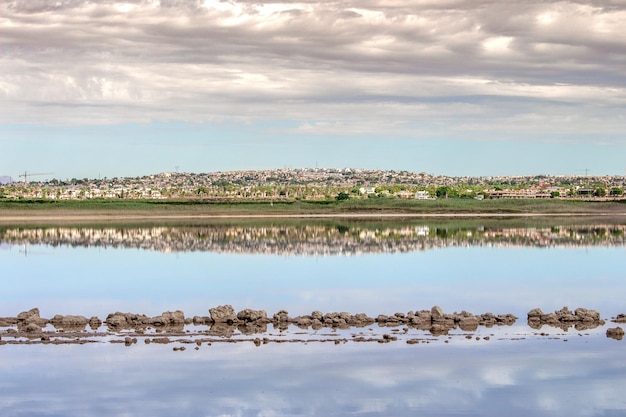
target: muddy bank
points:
(225, 325)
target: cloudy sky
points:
(480, 87)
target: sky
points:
(107, 88)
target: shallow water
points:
(354, 267)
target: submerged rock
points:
(621, 318)
(616, 333)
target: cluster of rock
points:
(31, 322)
(170, 320)
(223, 321)
(434, 320)
(438, 323)
(580, 319)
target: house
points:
(367, 190)
(422, 195)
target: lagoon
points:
(373, 268)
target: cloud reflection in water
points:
(581, 377)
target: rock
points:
(360, 320)
(344, 315)
(8, 321)
(32, 328)
(95, 323)
(223, 314)
(200, 320)
(130, 340)
(436, 313)
(281, 317)
(169, 318)
(439, 329)
(69, 322)
(303, 322)
(616, 333)
(587, 315)
(119, 320)
(565, 315)
(317, 315)
(29, 316)
(507, 319)
(249, 315)
(535, 312)
(468, 324)
(621, 318)
(382, 319)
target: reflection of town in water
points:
(314, 240)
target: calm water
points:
(501, 267)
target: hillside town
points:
(315, 184)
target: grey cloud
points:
(178, 57)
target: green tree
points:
(599, 192)
(446, 191)
(342, 196)
(616, 191)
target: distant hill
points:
(5, 179)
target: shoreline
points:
(38, 217)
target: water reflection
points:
(317, 240)
(544, 367)
(574, 378)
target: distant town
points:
(315, 184)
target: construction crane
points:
(27, 174)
